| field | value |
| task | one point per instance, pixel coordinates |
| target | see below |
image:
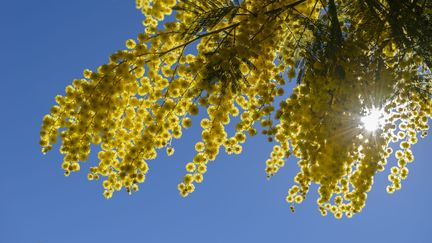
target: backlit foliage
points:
(233, 59)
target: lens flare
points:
(372, 120)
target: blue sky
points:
(45, 44)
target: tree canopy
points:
(363, 89)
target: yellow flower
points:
(130, 44)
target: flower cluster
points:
(145, 95)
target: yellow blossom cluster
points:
(145, 95)
(320, 123)
(320, 126)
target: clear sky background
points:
(44, 45)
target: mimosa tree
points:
(363, 87)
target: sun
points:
(372, 120)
